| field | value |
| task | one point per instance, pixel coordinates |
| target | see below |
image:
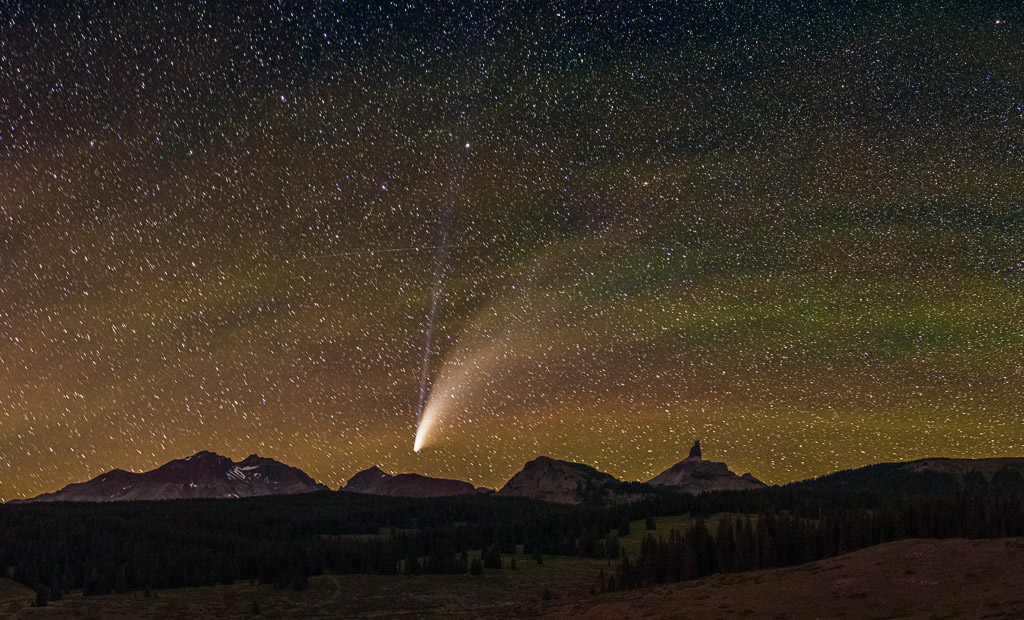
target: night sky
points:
(796, 234)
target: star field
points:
(792, 233)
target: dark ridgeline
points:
(126, 546)
(374, 481)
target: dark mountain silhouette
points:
(944, 476)
(374, 481)
(695, 475)
(203, 475)
(562, 482)
(565, 482)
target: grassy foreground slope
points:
(14, 596)
(916, 578)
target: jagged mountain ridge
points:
(202, 475)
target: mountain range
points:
(564, 482)
(210, 475)
(202, 475)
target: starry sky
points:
(795, 233)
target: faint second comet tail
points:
(440, 268)
(423, 423)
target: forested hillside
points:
(102, 548)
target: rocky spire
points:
(695, 450)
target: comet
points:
(512, 331)
(493, 342)
(458, 379)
